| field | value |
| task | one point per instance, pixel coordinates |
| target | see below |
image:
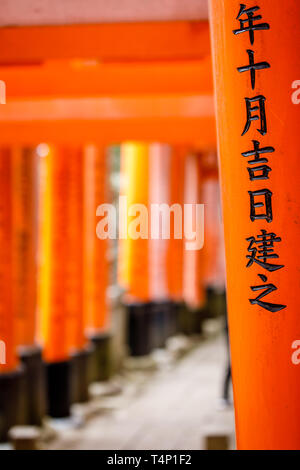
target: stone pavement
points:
(173, 407)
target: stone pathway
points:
(174, 407)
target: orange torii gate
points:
(11, 373)
(24, 176)
(97, 265)
(60, 121)
(43, 106)
(256, 60)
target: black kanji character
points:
(254, 205)
(250, 19)
(268, 288)
(263, 251)
(264, 169)
(252, 67)
(256, 153)
(263, 121)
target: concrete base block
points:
(101, 359)
(217, 442)
(59, 386)
(12, 401)
(139, 329)
(81, 375)
(25, 438)
(35, 383)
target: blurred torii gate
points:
(95, 72)
(172, 30)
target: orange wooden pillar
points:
(61, 283)
(24, 180)
(193, 286)
(11, 374)
(24, 239)
(256, 60)
(213, 250)
(80, 349)
(176, 246)
(96, 261)
(175, 252)
(160, 307)
(134, 247)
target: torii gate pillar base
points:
(35, 382)
(12, 401)
(59, 384)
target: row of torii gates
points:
(85, 75)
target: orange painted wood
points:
(109, 120)
(96, 250)
(193, 267)
(74, 246)
(213, 249)
(61, 281)
(79, 78)
(266, 381)
(192, 130)
(7, 321)
(136, 264)
(176, 246)
(108, 108)
(24, 188)
(178, 40)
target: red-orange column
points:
(256, 59)
(74, 250)
(213, 250)
(12, 405)
(97, 197)
(193, 286)
(24, 180)
(55, 257)
(9, 361)
(24, 246)
(61, 283)
(176, 246)
(96, 263)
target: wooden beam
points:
(59, 12)
(117, 42)
(107, 108)
(180, 119)
(190, 131)
(79, 79)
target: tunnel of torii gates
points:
(146, 80)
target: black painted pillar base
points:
(186, 320)
(216, 302)
(173, 320)
(12, 401)
(35, 382)
(81, 375)
(160, 320)
(198, 316)
(101, 357)
(139, 329)
(59, 385)
(180, 314)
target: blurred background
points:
(116, 342)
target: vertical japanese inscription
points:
(261, 246)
